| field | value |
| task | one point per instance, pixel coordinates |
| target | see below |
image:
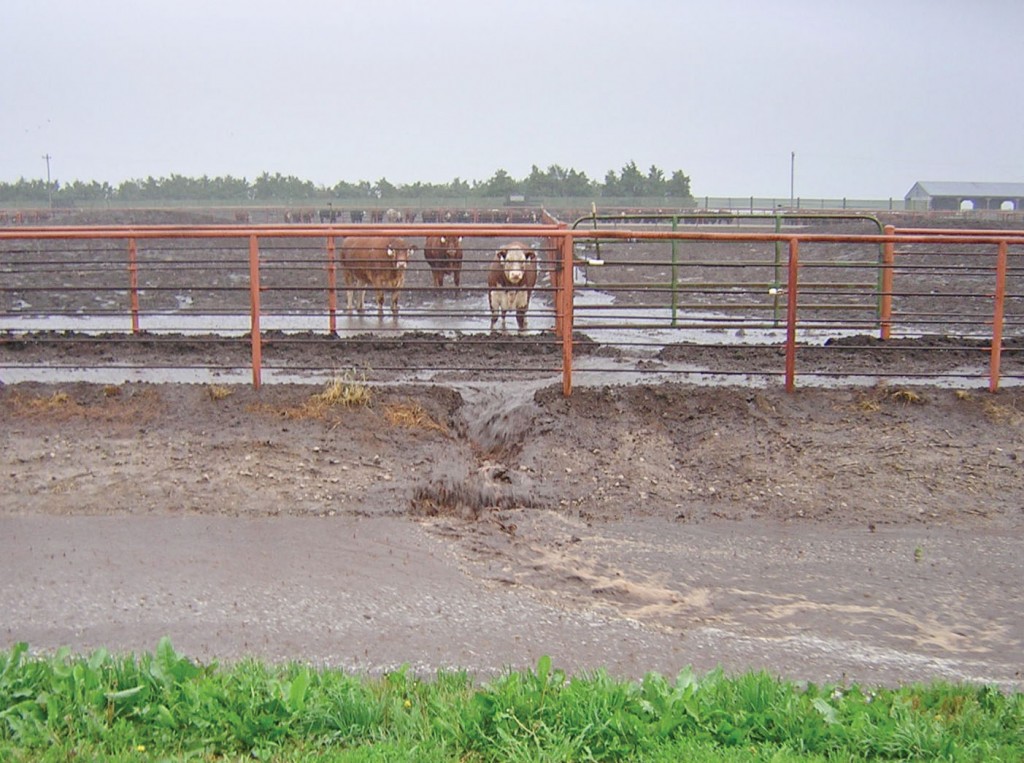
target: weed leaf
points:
(297, 692)
(827, 711)
(116, 696)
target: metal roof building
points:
(945, 195)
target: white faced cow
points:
(510, 281)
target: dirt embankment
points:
(879, 455)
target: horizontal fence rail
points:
(839, 300)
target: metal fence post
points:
(565, 297)
(888, 261)
(332, 288)
(791, 297)
(254, 301)
(675, 273)
(775, 271)
(997, 316)
(555, 276)
(133, 282)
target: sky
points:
(822, 98)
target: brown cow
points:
(379, 262)
(444, 255)
(510, 281)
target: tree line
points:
(554, 182)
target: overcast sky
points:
(871, 95)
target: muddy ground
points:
(872, 535)
(451, 517)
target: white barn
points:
(956, 196)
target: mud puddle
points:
(896, 604)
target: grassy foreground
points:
(165, 706)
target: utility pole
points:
(792, 176)
(49, 187)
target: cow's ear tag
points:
(391, 252)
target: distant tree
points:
(382, 189)
(557, 181)
(554, 182)
(459, 187)
(537, 184)
(181, 187)
(229, 188)
(412, 191)
(77, 191)
(578, 184)
(31, 191)
(279, 188)
(612, 186)
(129, 190)
(655, 185)
(631, 181)
(679, 186)
(500, 184)
(344, 190)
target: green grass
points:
(164, 706)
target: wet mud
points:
(847, 535)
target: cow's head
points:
(398, 252)
(514, 259)
(451, 244)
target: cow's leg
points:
(394, 303)
(360, 303)
(380, 303)
(354, 296)
(493, 302)
(521, 319)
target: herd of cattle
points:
(390, 216)
(380, 263)
(24, 217)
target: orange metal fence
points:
(604, 295)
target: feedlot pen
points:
(796, 300)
